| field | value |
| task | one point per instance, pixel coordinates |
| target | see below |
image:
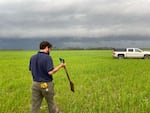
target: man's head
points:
(45, 46)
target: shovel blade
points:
(72, 86)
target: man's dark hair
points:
(45, 44)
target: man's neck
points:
(42, 50)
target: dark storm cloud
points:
(70, 42)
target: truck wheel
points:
(146, 56)
(121, 56)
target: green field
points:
(102, 84)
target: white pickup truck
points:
(131, 53)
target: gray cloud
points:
(25, 18)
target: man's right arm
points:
(56, 68)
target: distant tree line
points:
(79, 48)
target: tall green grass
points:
(102, 84)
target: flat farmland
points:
(102, 84)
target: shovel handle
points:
(63, 61)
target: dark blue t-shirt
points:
(40, 65)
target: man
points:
(41, 67)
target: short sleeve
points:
(49, 63)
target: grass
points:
(102, 84)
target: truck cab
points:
(134, 53)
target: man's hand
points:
(63, 64)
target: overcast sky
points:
(86, 18)
(74, 18)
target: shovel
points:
(71, 83)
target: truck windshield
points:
(138, 50)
